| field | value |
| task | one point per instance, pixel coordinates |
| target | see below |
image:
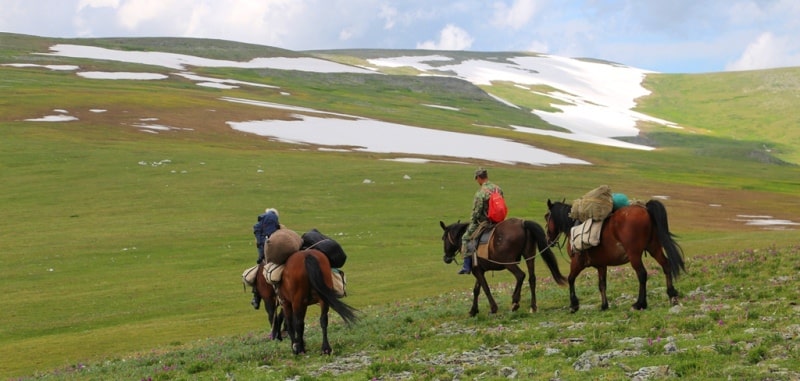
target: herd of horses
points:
(626, 235)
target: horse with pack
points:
(604, 229)
(297, 274)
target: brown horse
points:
(512, 240)
(307, 280)
(267, 292)
(625, 236)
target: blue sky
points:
(669, 36)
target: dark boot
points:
(256, 302)
(467, 266)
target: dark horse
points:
(626, 234)
(512, 240)
(307, 280)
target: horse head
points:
(556, 217)
(452, 239)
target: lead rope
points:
(555, 241)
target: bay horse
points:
(269, 297)
(625, 236)
(307, 280)
(512, 240)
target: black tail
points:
(544, 250)
(658, 216)
(325, 293)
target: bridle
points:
(555, 242)
(451, 241)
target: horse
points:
(307, 280)
(512, 240)
(270, 299)
(625, 236)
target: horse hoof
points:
(573, 309)
(533, 310)
(514, 306)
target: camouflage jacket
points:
(480, 204)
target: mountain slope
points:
(583, 100)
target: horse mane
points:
(559, 212)
(459, 228)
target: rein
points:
(452, 241)
(555, 241)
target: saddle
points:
(481, 237)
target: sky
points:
(674, 36)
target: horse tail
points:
(544, 249)
(326, 294)
(658, 216)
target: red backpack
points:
(497, 207)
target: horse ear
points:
(441, 223)
(549, 204)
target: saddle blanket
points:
(483, 246)
(586, 235)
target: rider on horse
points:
(480, 209)
(267, 224)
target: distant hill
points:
(743, 115)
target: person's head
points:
(270, 223)
(481, 175)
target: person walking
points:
(480, 210)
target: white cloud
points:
(768, 51)
(389, 15)
(450, 38)
(97, 4)
(132, 13)
(516, 15)
(538, 47)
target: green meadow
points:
(121, 251)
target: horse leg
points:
(574, 271)
(641, 275)
(662, 260)
(288, 316)
(602, 271)
(481, 275)
(476, 291)
(519, 275)
(275, 317)
(323, 323)
(532, 283)
(298, 325)
(277, 322)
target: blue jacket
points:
(266, 225)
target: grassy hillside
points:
(121, 244)
(750, 114)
